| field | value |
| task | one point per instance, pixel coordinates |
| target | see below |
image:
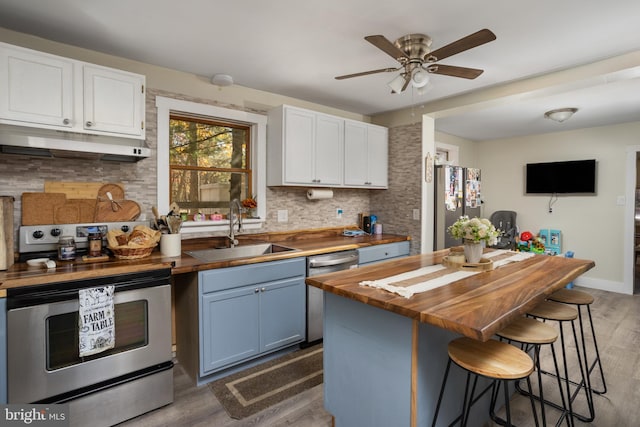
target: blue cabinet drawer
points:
(383, 252)
(234, 277)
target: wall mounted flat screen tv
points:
(575, 176)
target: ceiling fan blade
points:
(450, 70)
(386, 46)
(365, 73)
(473, 40)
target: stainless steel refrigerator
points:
(457, 193)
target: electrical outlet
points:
(283, 215)
(621, 201)
(416, 214)
(339, 213)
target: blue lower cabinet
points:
(384, 252)
(230, 328)
(249, 311)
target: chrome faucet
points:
(232, 238)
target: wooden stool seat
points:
(551, 310)
(493, 359)
(529, 331)
(572, 296)
(498, 361)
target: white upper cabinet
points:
(51, 92)
(304, 148)
(366, 152)
(36, 88)
(113, 101)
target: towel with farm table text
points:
(431, 277)
(96, 320)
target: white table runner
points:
(408, 288)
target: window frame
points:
(247, 169)
(257, 152)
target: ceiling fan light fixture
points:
(560, 114)
(420, 78)
(222, 80)
(397, 83)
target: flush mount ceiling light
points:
(561, 114)
(222, 80)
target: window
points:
(255, 155)
(209, 164)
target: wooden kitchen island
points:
(385, 355)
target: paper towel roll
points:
(319, 194)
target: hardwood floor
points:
(617, 320)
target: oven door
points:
(43, 357)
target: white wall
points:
(592, 226)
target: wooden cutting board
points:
(39, 208)
(117, 210)
(76, 190)
(75, 211)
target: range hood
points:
(44, 143)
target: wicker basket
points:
(132, 253)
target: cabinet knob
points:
(263, 289)
(89, 124)
(66, 121)
(256, 290)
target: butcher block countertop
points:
(477, 306)
(304, 243)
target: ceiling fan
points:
(417, 61)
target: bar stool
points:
(562, 313)
(583, 299)
(492, 359)
(531, 333)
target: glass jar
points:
(95, 244)
(66, 248)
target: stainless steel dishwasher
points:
(322, 264)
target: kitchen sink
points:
(237, 252)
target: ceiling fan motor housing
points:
(415, 46)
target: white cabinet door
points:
(113, 101)
(355, 154)
(298, 135)
(329, 142)
(36, 88)
(366, 155)
(378, 156)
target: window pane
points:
(207, 145)
(207, 192)
(209, 164)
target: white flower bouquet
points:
(474, 230)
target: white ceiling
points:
(296, 48)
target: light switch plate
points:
(283, 215)
(416, 214)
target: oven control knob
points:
(125, 228)
(38, 234)
(56, 232)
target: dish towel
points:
(432, 277)
(96, 320)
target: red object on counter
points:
(525, 236)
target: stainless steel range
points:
(44, 363)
